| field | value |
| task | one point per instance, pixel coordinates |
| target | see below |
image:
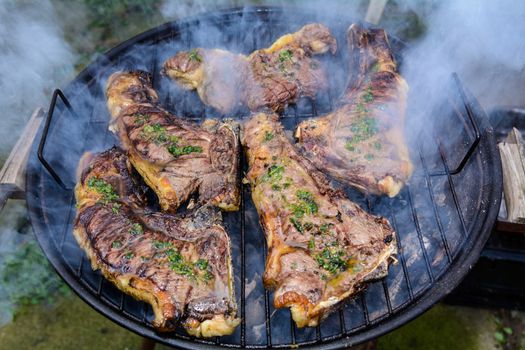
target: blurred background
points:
(44, 44)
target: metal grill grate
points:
(442, 217)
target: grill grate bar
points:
(387, 296)
(342, 321)
(267, 305)
(454, 194)
(366, 314)
(420, 235)
(243, 265)
(401, 255)
(428, 181)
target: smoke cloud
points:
(34, 58)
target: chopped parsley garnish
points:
(274, 173)
(362, 130)
(377, 145)
(207, 276)
(129, 255)
(285, 55)
(294, 266)
(276, 187)
(104, 188)
(368, 96)
(201, 264)
(375, 67)
(161, 244)
(136, 229)
(268, 136)
(306, 202)
(115, 208)
(324, 227)
(308, 226)
(194, 56)
(116, 244)
(141, 118)
(311, 244)
(184, 267)
(178, 151)
(296, 224)
(360, 108)
(332, 260)
(369, 156)
(158, 134)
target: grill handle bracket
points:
(475, 130)
(57, 93)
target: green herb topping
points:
(194, 56)
(129, 255)
(178, 151)
(161, 244)
(368, 96)
(331, 259)
(155, 133)
(116, 244)
(298, 226)
(274, 173)
(141, 119)
(285, 55)
(104, 188)
(136, 229)
(194, 270)
(268, 136)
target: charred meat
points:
(322, 248)
(271, 77)
(175, 157)
(362, 142)
(181, 265)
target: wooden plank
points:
(375, 11)
(513, 162)
(12, 174)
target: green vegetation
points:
(29, 277)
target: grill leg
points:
(147, 344)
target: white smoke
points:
(34, 58)
(480, 40)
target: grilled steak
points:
(175, 157)
(181, 265)
(322, 247)
(271, 77)
(362, 142)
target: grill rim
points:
(456, 270)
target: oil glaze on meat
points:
(175, 157)
(322, 248)
(181, 265)
(271, 77)
(362, 142)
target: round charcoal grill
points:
(442, 217)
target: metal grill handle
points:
(473, 124)
(57, 93)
